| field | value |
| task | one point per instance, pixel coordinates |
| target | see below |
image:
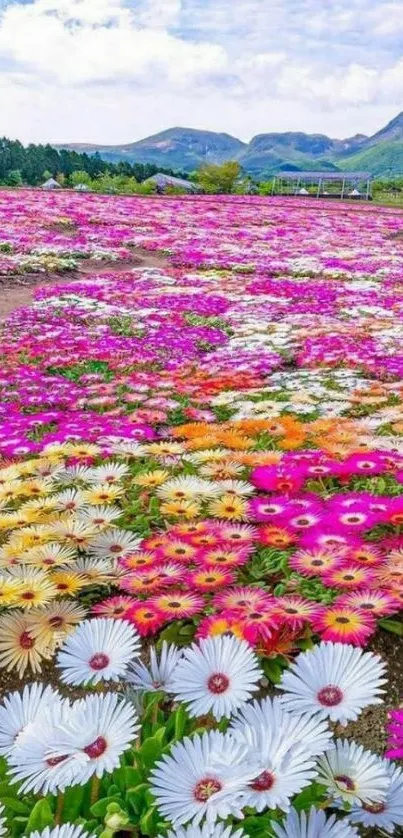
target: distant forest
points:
(32, 164)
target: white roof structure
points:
(163, 181)
(51, 184)
(82, 187)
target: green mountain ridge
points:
(188, 148)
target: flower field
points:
(201, 518)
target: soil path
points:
(16, 292)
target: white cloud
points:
(116, 70)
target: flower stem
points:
(59, 808)
(94, 789)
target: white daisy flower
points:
(309, 731)
(388, 813)
(123, 447)
(3, 822)
(108, 473)
(114, 544)
(240, 488)
(159, 675)
(49, 555)
(66, 830)
(74, 474)
(35, 761)
(335, 680)
(187, 488)
(99, 516)
(97, 732)
(284, 768)
(19, 710)
(353, 775)
(218, 675)
(203, 777)
(96, 571)
(97, 650)
(206, 831)
(70, 500)
(313, 825)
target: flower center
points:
(173, 604)
(99, 661)
(55, 622)
(206, 788)
(345, 783)
(374, 808)
(330, 696)
(218, 683)
(96, 748)
(343, 620)
(26, 641)
(264, 782)
(28, 595)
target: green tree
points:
(14, 178)
(216, 179)
(80, 177)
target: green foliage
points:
(33, 164)
(216, 179)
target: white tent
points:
(51, 184)
(82, 187)
(303, 191)
(354, 193)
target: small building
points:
(51, 184)
(330, 184)
(166, 182)
(82, 187)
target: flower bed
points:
(201, 510)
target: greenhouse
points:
(342, 185)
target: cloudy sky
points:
(117, 70)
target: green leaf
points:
(73, 803)
(310, 796)
(99, 808)
(135, 798)
(40, 817)
(272, 670)
(394, 626)
(148, 822)
(152, 748)
(181, 718)
(16, 806)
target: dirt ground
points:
(17, 291)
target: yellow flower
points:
(229, 507)
(67, 583)
(102, 493)
(83, 450)
(35, 588)
(18, 649)
(36, 488)
(52, 623)
(10, 490)
(9, 589)
(164, 449)
(149, 479)
(180, 509)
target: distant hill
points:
(188, 148)
(176, 148)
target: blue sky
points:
(118, 70)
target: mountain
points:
(188, 148)
(176, 148)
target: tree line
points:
(33, 164)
